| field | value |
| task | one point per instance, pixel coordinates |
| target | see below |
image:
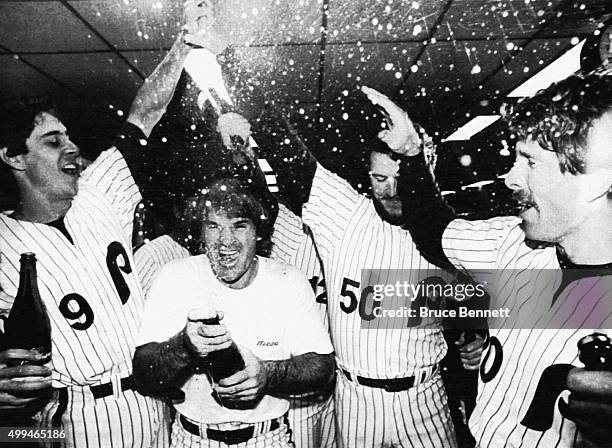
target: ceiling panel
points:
(511, 19)
(43, 27)
(381, 66)
(133, 24)
(266, 22)
(534, 56)
(287, 73)
(144, 61)
(455, 68)
(18, 79)
(381, 20)
(103, 77)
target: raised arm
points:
(155, 94)
(426, 213)
(157, 90)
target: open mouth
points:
(524, 206)
(228, 258)
(72, 169)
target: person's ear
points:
(600, 184)
(16, 162)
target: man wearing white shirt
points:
(269, 307)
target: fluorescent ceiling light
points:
(447, 192)
(471, 128)
(478, 184)
(561, 68)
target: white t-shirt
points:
(274, 317)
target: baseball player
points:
(79, 225)
(269, 308)
(311, 421)
(562, 179)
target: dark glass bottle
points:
(28, 326)
(223, 363)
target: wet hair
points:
(17, 121)
(377, 145)
(236, 199)
(560, 117)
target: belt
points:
(390, 384)
(230, 437)
(106, 389)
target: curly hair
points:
(560, 117)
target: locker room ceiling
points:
(444, 60)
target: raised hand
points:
(400, 135)
(201, 26)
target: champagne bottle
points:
(28, 326)
(223, 363)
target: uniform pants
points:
(370, 417)
(312, 424)
(128, 420)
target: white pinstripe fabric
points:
(312, 424)
(94, 349)
(416, 418)
(153, 255)
(498, 245)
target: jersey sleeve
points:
(479, 245)
(287, 236)
(482, 248)
(331, 204)
(147, 265)
(110, 174)
(167, 305)
(305, 330)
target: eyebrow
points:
(525, 154)
(51, 134)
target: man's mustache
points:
(522, 196)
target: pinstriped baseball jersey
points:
(94, 300)
(312, 424)
(498, 246)
(152, 256)
(293, 244)
(350, 237)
